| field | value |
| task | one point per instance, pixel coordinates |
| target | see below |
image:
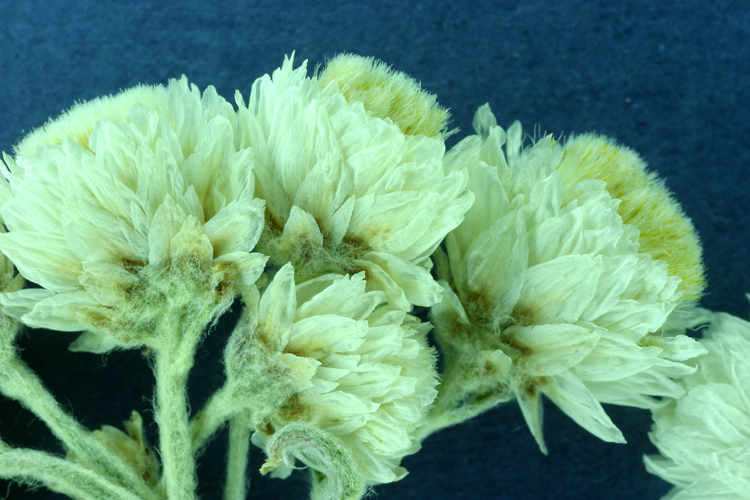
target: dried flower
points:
(358, 369)
(123, 199)
(347, 191)
(551, 291)
(704, 437)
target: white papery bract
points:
(548, 292)
(346, 191)
(704, 437)
(106, 208)
(361, 369)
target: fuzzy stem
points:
(171, 369)
(19, 382)
(210, 418)
(60, 475)
(239, 448)
(456, 403)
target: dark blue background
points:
(667, 78)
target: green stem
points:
(210, 418)
(19, 382)
(60, 475)
(457, 402)
(239, 448)
(172, 367)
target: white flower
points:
(704, 437)
(347, 191)
(550, 291)
(105, 210)
(360, 370)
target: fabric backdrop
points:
(666, 78)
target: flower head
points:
(386, 93)
(124, 199)
(359, 369)
(551, 291)
(704, 437)
(345, 189)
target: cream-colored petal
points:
(496, 264)
(301, 233)
(276, 308)
(559, 290)
(345, 296)
(237, 227)
(575, 400)
(553, 349)
(21, 302)
(96, 343)
(107, 283)
(317, 335)
(530, 402)
(43, 259)
(418, 285)
(249, 265)
(378, 279)
(94, 234)
(167, 222)
(62, 311)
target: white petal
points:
(496, 264)
(92, 342)
(377, 279)
(106, 282)
(532, 408)
(392, 222)
(168, 220)
(236, 227)
(491, 203)
(418, 285)
(318, 335)
(16, 304)
(62, 311)
(324, 189)
(560, 290)
(572, 397)
(276, 308)
(345, 297)
(249, 265)
(300, 231)
(340, 221)
(43, 259)
(94, 234)
(210, 158)
(553, 348)
(616, 357)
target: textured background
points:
(669, 79)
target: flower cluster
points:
(704, 437)
(552, 287)
(562, 268)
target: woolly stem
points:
(239, 448)
(210, 418)
(457, 402)
(19, 382)
(60, 475)
(172, 366)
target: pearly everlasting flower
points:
(345, 189)
(704, 437)
(551, 291)
(387, 94)
(119, 201)
(353, 367)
